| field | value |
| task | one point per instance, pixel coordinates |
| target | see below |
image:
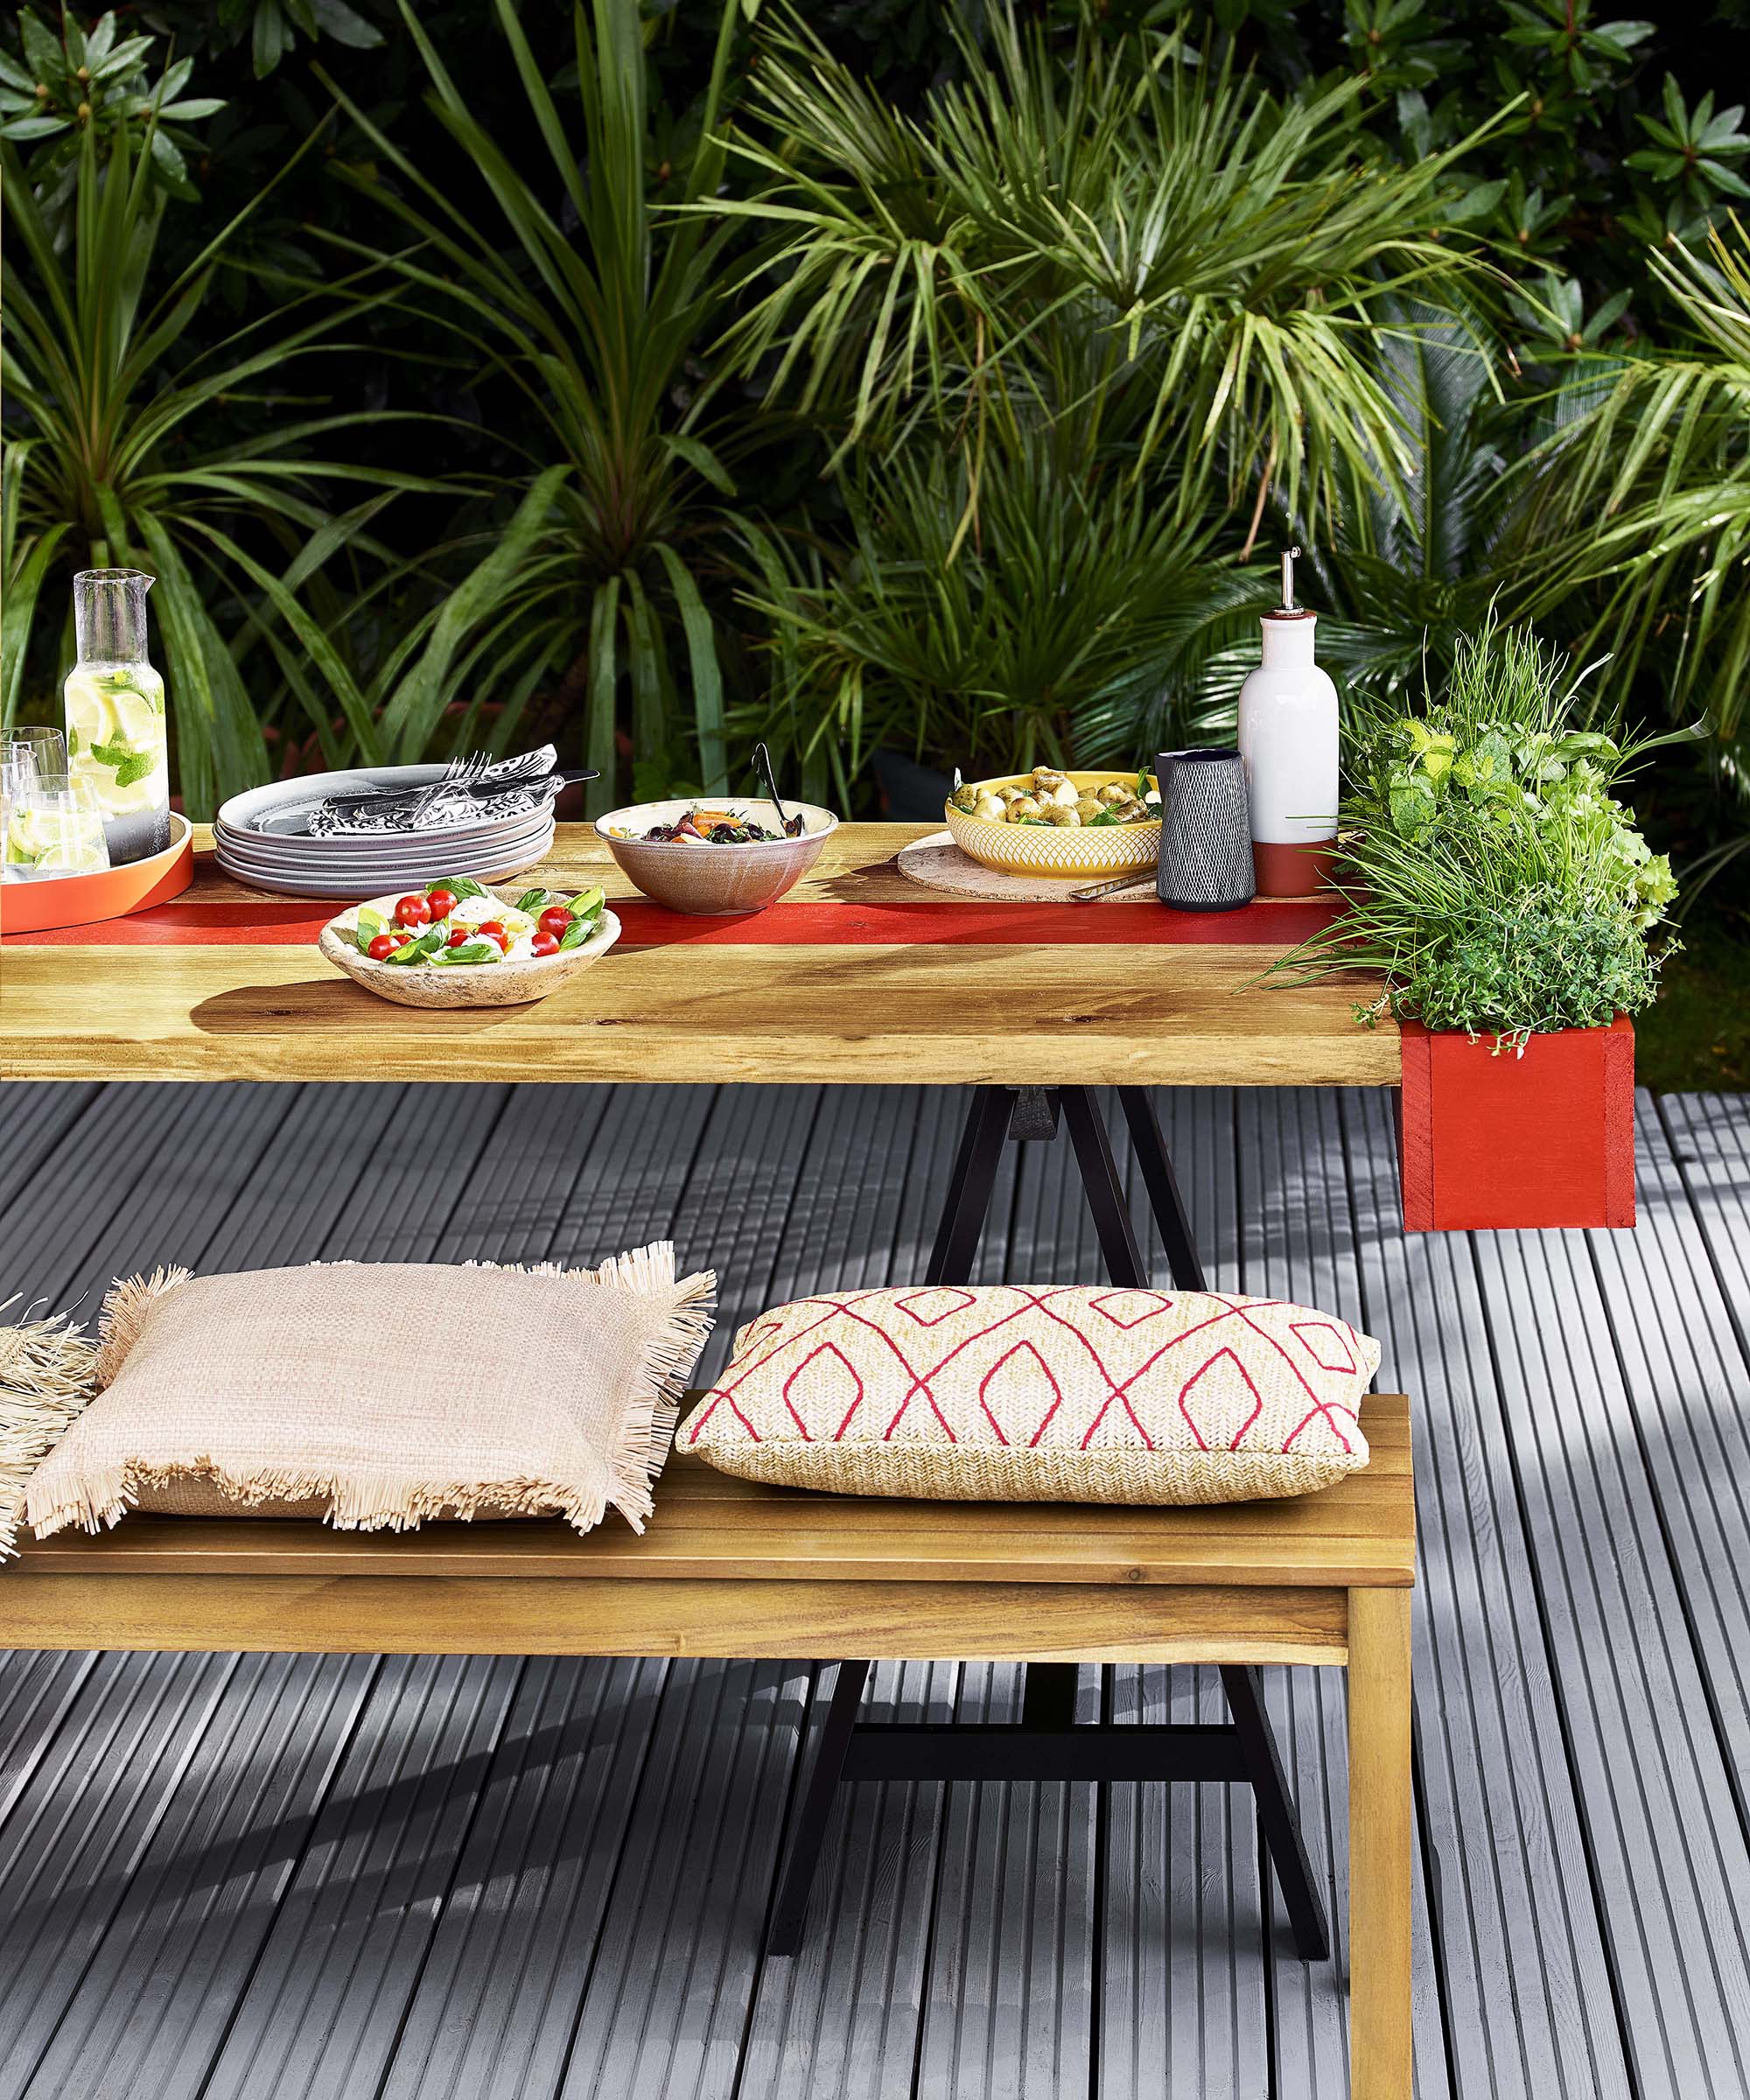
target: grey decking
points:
(313, 1878)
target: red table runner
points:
(292, 923)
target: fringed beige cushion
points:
(377, 1395)
(48, 1372)
(1040, 1394)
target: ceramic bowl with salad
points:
(712, 859)
(458, 944)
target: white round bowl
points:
(715, 882)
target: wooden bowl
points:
(477, 984)
(1083, 854)
(714, 882)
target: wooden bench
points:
(731, 1568)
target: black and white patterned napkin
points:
(449, 806)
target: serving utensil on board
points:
(1089, 892)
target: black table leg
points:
(1048, 1701)
(784, 1934)
(1277, 1819)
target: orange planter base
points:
(1546, 1139)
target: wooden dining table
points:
(858, 975)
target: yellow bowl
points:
(1082, 852)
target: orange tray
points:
(36, 907)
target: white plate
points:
(497, 865)
(281, 801)
(436, 850)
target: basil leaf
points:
(587, 904)
(376, 920)
(459, 887)
(471, 951)
(576, 934)
(534, 901)
(416, 951)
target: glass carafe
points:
(115, 713)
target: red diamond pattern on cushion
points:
(1040, 1392)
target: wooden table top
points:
(1359, 1533)
(941, 1013)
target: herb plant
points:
(1487, 867)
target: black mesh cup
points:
(1205, 831)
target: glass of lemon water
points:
(53, 827)
(115, 735)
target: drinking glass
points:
(55, 827)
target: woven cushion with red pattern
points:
(1040, 1393)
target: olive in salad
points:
(455, 923)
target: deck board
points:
(301, 1879)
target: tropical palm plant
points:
(596, 310)
(109, 469)
(1048, 632)
(1650, 485)
(1113, 225)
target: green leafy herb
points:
(134, 767)
(460, 886)
(587, 904)
(576, 934)
(370, 925)
(536, 900)
(1487, 868)
(428, 943)
(471, 951)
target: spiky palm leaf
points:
(1651, 484)
(1223, 258)
(112, 469)
(593, 308)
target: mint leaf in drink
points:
(134, 767)
(113, 754)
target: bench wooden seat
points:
(729, 1567)
(732, 1569)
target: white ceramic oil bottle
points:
(1288, 741)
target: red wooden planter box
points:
(1547, 1138)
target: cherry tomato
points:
(556, 920)
(493, 928)
(458, 935)
(382, 947)
(413, 910)
(545, 944)
(441, 902)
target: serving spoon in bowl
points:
(762, 764)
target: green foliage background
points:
(924, 378)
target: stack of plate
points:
(262, 839)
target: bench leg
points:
(1379, 1844)
(784, 1936)
(1275, 1816)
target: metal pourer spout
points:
(1288, 560)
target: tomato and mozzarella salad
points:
(456, 921)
